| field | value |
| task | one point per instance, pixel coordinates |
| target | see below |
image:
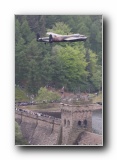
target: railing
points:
(39, 116)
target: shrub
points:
(46, 96)
(20, 95)
(19, 140)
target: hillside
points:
(20, 95)
(76, 66)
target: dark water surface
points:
(54, 114)
(97, 121)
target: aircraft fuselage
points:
(62, 38)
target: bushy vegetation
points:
(73, 65)
(98, 98)
(46, 96)
(19, 140)
(20, 95)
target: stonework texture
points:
(74, 127)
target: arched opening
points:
(79, 123)
(68, 123)
(64, 122)
(85, 123)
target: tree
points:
(97, 78)
(60, 28)
(17, 31)
(21, 68)
(45, 95)
(26, 32)
(42, 24)
(20, 95)
(19, 140)
(73, 65)
(37, 64)
(91, 59)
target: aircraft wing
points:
(71, 38)
(75, 38)
(53, 34)
(44, 39)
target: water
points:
(54, 114)
(97, 121)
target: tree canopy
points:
(73, 65)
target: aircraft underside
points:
(53, 38)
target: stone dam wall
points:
(42, 129)
(39, 129)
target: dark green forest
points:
(76, 65)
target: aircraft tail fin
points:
(38, 36)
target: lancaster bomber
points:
(53, 37)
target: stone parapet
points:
(38, 116)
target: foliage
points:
(98, 98)
(60, 28)
(73, 65)
(97, 78)
(20, 95)
(19, 140)
(45, 95)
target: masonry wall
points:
(39, 130)
(66, 119)
(46, 133)
(80, 119)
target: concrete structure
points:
(75, 122)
